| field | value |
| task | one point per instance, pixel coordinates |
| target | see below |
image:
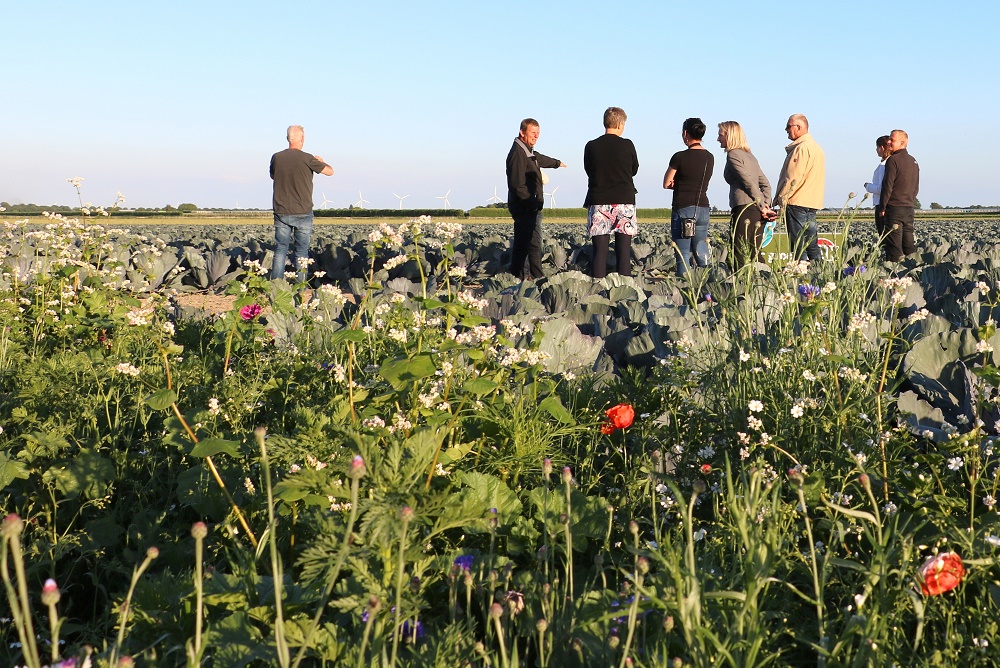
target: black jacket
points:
(524, 178)
(901, 181)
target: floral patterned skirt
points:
(611, 219)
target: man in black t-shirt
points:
(292, 171)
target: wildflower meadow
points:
(425, 462)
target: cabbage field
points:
(417, 460)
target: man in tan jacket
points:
(800, 188)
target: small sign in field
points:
(776, 249)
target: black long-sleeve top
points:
(901, 181)
(610, 162)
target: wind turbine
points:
(400, 198)
(325, 202)
(361, 201)
(447, 204)
(495, 199)
(552, 197)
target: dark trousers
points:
(880, 230)
(899, 232)
(748, 233)
(623, 254)
(527, 244)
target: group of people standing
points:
(611, 163)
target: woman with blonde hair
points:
(749, 193)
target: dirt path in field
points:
(210, 304)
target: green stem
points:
(281, 647)
(397, 631)
(331, 579)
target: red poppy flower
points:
(619, 417)
(706, 468)
(941, 573)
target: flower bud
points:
(668, 623)
(577, 644)
(698, 486)
(50, 592)
(356, 469)
(633, 528)
(599, 560)
(546, 467)
(567, 475)
(152, 553)
(12, 526)
(614, 641)
(496, 611)
(126, 662)
(406, 514)
(865, 481)
(542, 625)
(199, 530)
(642, 565)
(852, 195)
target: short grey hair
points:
(614, 117)
(294, 130)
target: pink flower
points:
(250, 311)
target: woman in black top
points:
(688, 176)
(610, 162)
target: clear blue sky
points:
(186, 101)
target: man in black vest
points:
(899, 193)
(525, 198)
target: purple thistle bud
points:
(12, 526)
(50, 592)
(356, 469)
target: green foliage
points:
(795, 457)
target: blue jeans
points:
(285, 226)
(699, 242)
(802, 235)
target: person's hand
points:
(562, 164)
(319, 158)
(669, 185)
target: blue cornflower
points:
(809, 291)
(411, 632)
(464, 562)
